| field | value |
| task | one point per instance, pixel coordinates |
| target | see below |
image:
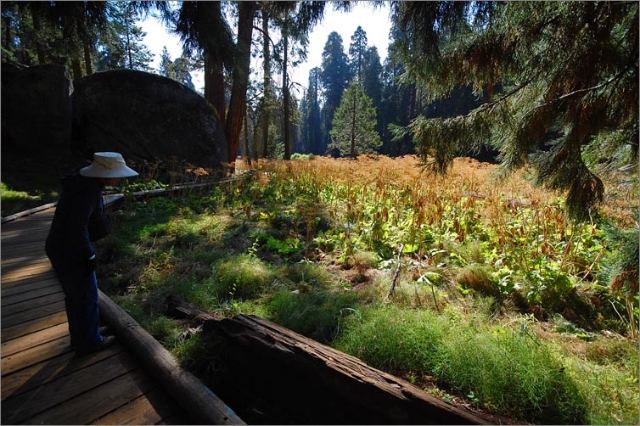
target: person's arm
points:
(80, 213)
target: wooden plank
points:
(29, 272)
(39, 221)
(28, 286)
(151, 408)
(35, 355)
(10, 347)
(23, 253)
(32, 222)
(87, 407)
(44, 372)
(29, 279)
(15, 245)
(32, 314)
(18, 409)
(33, 326)
(45, 209)
(12, 254)
(29, 295)
(32, 268)
(26, 265)
(26, 228)
(23, 236)
(22, 241)
(175, 419)
(35, 303)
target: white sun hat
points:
(108, 165)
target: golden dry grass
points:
(466, 178)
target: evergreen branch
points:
(587, 89)
(503, 98)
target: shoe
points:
(105, 343)
(104, 331)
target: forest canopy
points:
(553, 85)
(560, 77)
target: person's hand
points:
(91, 264)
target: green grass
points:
(506, 370)
(241, 277)
(315, 313)
(16, 201)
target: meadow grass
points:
(16, 201)
(504, 369)
(485, 267)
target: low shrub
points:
(243, 277)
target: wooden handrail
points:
(192, 395)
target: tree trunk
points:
(285, 91)
(247, 151)
(353, 125)
(256, 138)
(238, 100)
(266, 68)
(214, 83)
(35, 15)
(290, 378)
(213, 67)
(87, 59)
(76, 66)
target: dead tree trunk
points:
(306, 382)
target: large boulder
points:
(36, 109)
(145, 117)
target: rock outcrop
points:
(145, 117)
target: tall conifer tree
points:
(334, 78)
(353, 131)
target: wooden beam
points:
(186, 389)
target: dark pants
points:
(81, 303)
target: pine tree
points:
(353, 131)
(166, 64)
(313, 118)
(40, 33)
(334, 79)
(122, 46)
(395, 109)
(357, 52)
(569, 72)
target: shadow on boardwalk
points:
(43, 382)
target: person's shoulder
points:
(76, 183)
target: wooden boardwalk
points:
(43, 382)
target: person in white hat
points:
(78, 221)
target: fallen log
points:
(193, 396)
(293, 379)
(178, 308)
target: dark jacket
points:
(68, 245)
